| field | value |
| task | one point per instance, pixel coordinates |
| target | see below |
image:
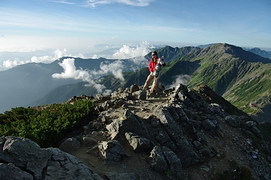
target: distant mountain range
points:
(260, 52)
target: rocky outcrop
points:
(111, 150)
(210, 96)
(162, 159)
(180, 131)
(70, 144)
(139, 144)
(23, 159)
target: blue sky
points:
(82, 25)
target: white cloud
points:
(95, 56)
(42, 59)
(58, 53)
(64, 2)
(126, 51)
(115, 68)
(93, 3)
(12, 63)
(70, 71)
(181, 79)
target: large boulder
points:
(24, 159)
(65, 166)
(162, 159)
(26, 155)
(141, 95)
(139, 144)
(134, 88)
(129, 122)
(157, 159)
(70, 144)
(10, 171)
(111, 150)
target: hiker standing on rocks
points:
(154, 68)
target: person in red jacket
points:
(154, 68)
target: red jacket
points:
(152, 64)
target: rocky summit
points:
(179, 133)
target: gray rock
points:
(9, 171)
(233, 121)
(122, 176)
(118, 103)
(209, 125)
(111, 150)
(253, 127)
(106, 105)
(216, 108)
(102, 97)
(157, 159)
(174, 163)
(165, 160)
(181, 89)
(134, 88)
(170, 125)
(126, 96)
(89, 141)
(164, 139)
(163, 114)
(65, 166)
(141, 95)
(51, 163)
(128, 123)
(139, 144)
(70, 144)
(187, 154)
(27, 155)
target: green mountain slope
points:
(64, 93)
(242, 78)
